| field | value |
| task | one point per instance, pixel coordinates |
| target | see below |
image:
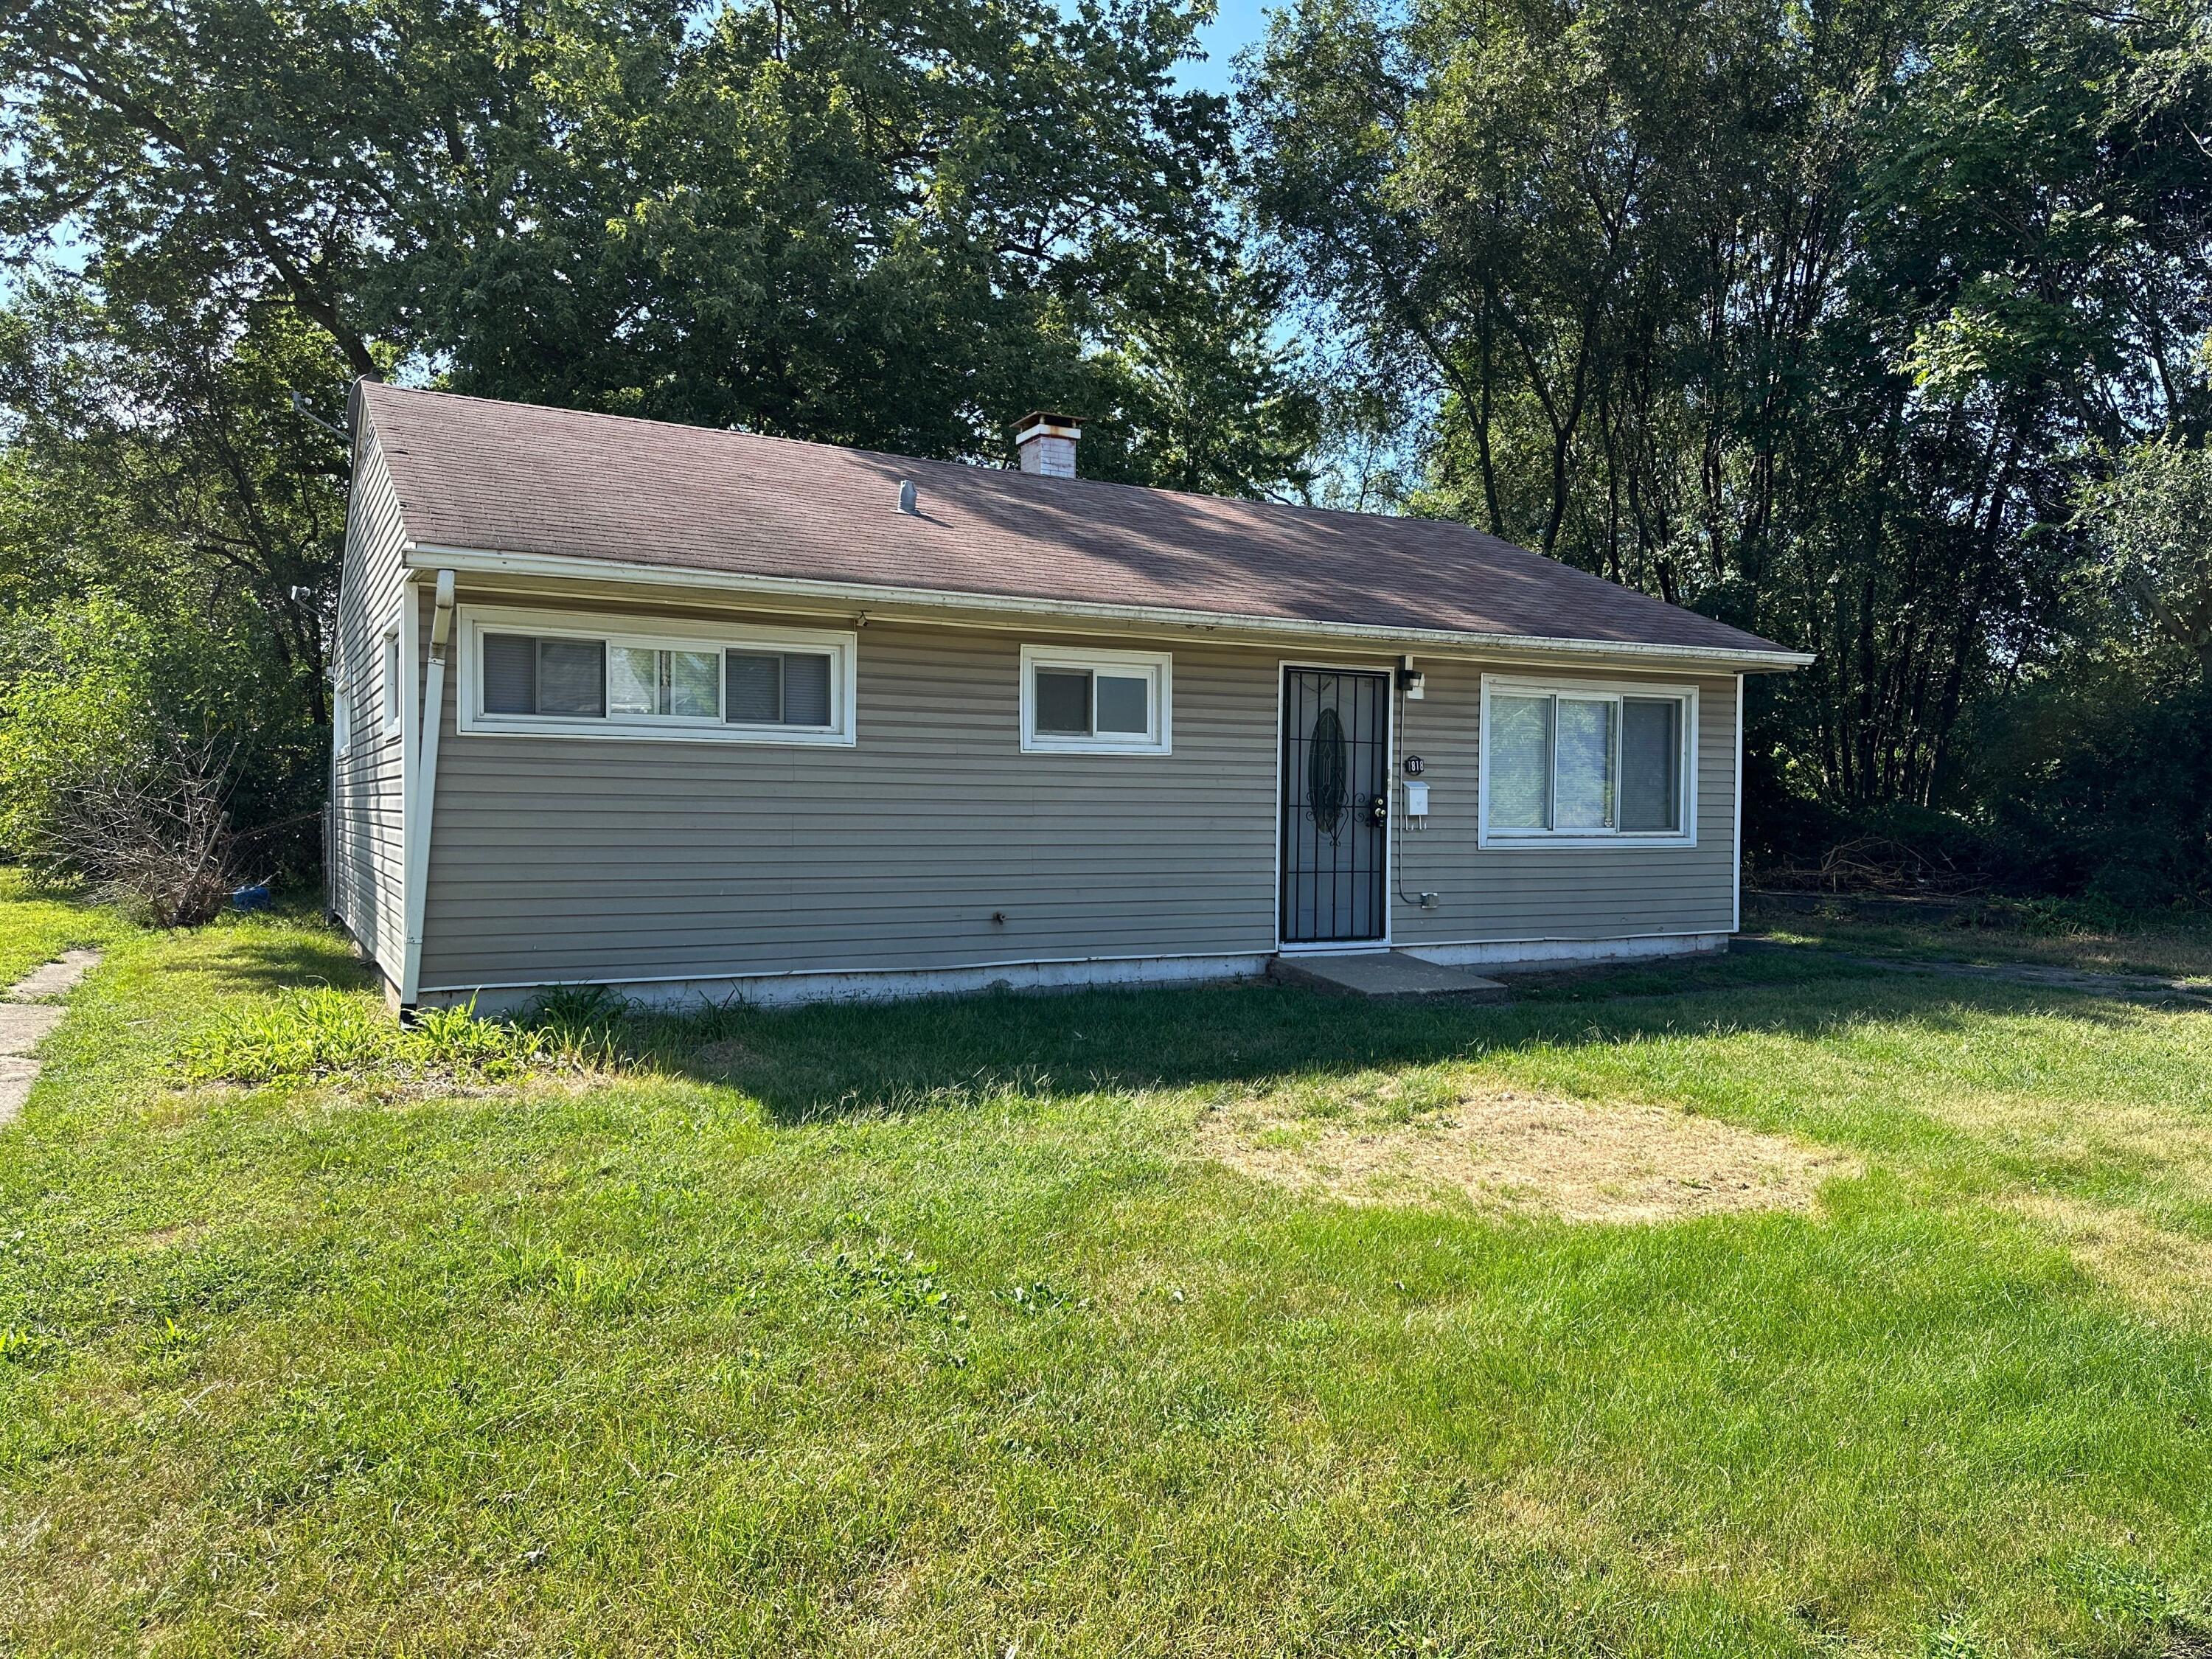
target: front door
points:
(1336, 763)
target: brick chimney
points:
(1046, 443)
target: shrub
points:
(80, 710)
(133, 750)
(2101, 783)
(150, 835)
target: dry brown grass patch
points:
(1507, 1150)
(2088, 1134)
(2159, 1270)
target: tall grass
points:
(307, 1034)
(310, 1033)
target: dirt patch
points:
(1510, 1151)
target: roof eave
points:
(557, 566)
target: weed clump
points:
(307, 1034)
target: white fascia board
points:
(563, 566)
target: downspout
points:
(330, 808)
(426, 791)
(1735, 897)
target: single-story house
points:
(694, 712)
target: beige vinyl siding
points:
(367, 869)
(587, 859)
(559, 858)
(1537, 892)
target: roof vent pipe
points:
(909, 499)
(1046, 443)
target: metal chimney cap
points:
(909, 499)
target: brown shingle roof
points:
(520, 478)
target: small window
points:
(1582, 764)
(342, 723)
(1095, 701)
(390, 688)
(1651, 765)
(526, 674)
(779, 688)
(1520, 747)
(1576, 762)
(645, 681)
(1063, 702)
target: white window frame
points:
(1614, 691)
(390, 665)
(474, 620)
(1157, 665)
(342, 722)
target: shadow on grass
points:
(290, 944)
(272, 953)
(888, 1059)
(805, 1065)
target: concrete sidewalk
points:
(26, 1018)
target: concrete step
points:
(1385, 974)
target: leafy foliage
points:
(104, 702)
(2151, 524)
(81, 704)
(889, 224)
(2100, 782)
(1828, 321)
(1813, 318)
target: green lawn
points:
(930, 1329)
(35, 929)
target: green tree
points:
(156, 452)
(2150, 524)
(886, 223)
(879, 222)
(79, 703)
(1805, 315)
(106, 703)
(1193, 394)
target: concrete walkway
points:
(25, 1016)
(2133, 987)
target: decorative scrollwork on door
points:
(1325, 774)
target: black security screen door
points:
(1336, 740)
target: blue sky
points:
(1238, 25)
